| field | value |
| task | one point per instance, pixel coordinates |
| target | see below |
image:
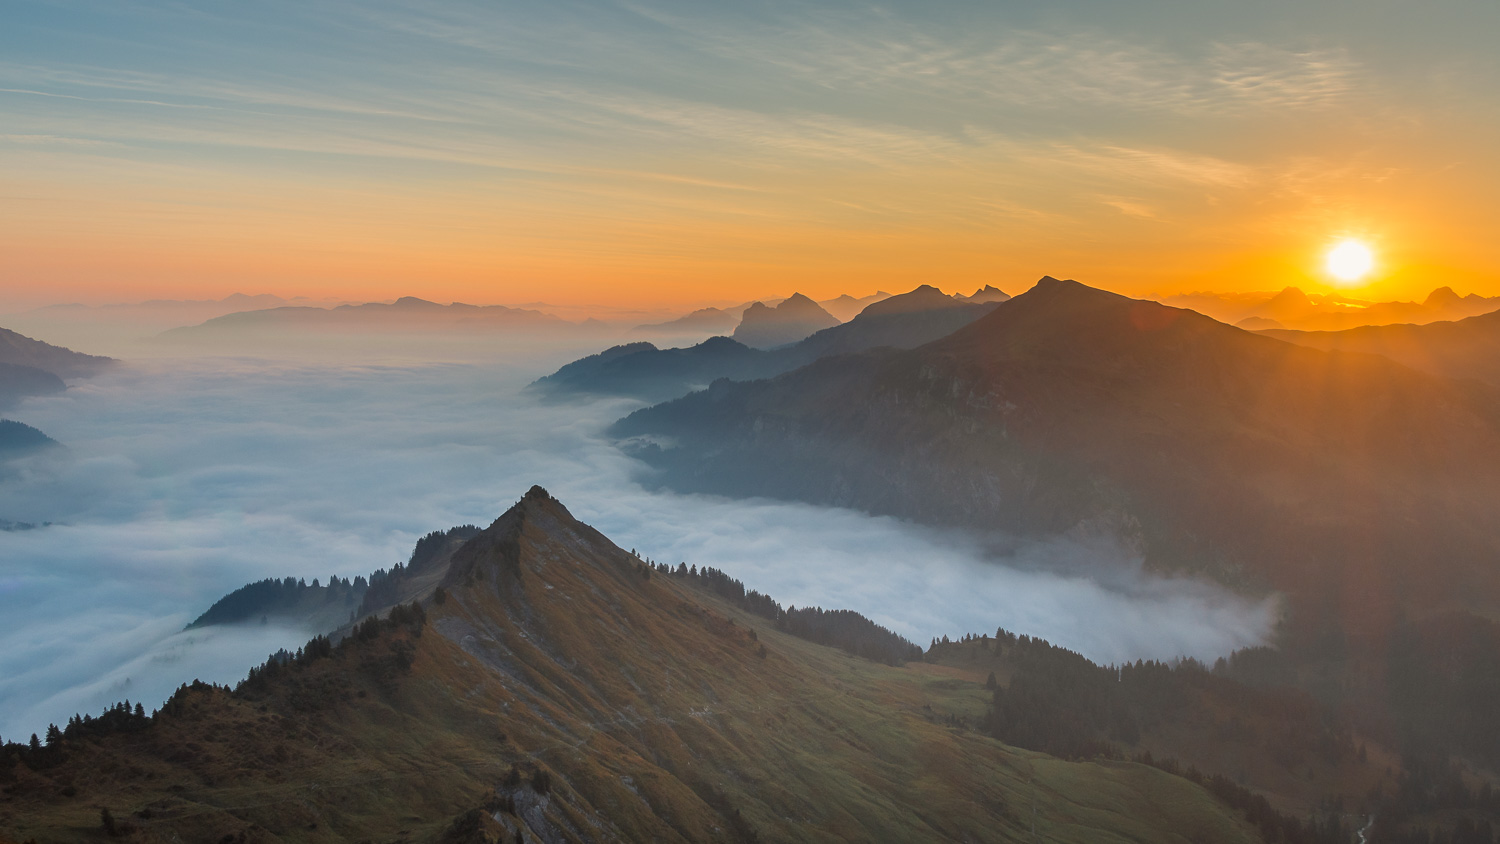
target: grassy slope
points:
(646, 700)
(1263, 739)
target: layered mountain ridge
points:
(641, 370)
(1343, 479)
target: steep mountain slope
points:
(1468, 348)
(553, 687)
(641, 370)
(18, 350)
(795, 318)
(1344, 479)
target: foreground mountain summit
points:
(543, 683)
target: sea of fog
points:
(188, 476)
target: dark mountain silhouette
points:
(1468, 348)
(795, 318)
(987, 293)
(846, 307)
(1351, 482)
(17, 440)
(17, 350)
(553, 687)
(640, 370)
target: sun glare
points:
(1350, 261)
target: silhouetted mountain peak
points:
(721, 343)
(1066, 320)
(794, 318)
(1442, 297)
(1290, 296)
(924, 298)
(986, 294)
(1057, 291)
(414, 302)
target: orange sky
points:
(670, 159)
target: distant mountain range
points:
(407, 314)
(704, 321)
(1291, 308)
(641, 370)
(174, 310)
(1342, 480)
(708, 322)
(1467, 348)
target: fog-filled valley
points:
(187, 475)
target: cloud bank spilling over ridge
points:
(189, 478)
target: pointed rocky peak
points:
(988, 293)
(499, 545)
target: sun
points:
(1349, 261)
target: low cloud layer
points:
(188, 478)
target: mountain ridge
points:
(644, 371)
(559, 688)
(1068, 405)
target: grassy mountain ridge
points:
(557, 685)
